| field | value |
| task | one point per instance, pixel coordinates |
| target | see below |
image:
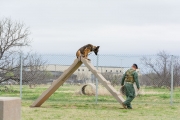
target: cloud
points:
(117, 26)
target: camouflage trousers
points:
(130, 94)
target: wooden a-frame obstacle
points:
(67, 73)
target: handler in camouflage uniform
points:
(128, 79)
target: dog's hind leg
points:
(86, 52)
(78, 54)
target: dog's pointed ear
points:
(96, 53)
(97, 47)
(96, 50)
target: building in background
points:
(84, 74)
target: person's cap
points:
(135, 65)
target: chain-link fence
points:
(158, 74)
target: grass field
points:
(65, 104)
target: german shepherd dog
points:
(85, 50)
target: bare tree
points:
(7, 67)
(158, 70)
(176, 71)
(114, 78)
(13, 35)
(34, 70)
(83, 76)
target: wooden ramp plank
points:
(57, 83)
(103, 81)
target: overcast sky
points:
(118, 26)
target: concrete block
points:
(10, 108)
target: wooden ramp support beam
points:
(67, 73)
(103, 81)
(57, 83)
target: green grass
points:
(64, 104)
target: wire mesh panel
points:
(154, 71)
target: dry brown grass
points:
(90, 91)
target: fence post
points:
(97, 80)
(171, 101)
(21, 74)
